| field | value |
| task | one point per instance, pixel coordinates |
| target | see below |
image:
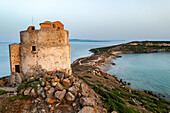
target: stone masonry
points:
(43, 50)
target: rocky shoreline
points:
(102, 59)
(88, 89)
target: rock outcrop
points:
(57, 90)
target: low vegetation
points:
(116, 99)
(141, 47)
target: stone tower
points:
(47, 49)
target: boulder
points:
(47, 88)
(43, 83)
(114, 112)
(84, 89)
(33, 93)
(70, 96)
(47, 83)
(32, 78)
(73, 89)
(59, 86)
(49, 100)
(76, 83)
(16, 79)
(61, 76)
(56, 79)
(87, 101)
(88, 109)
(39, 91)
(50, 92)
(66, 82)
(54, 84)
(43, 94)
(27, 91)
(60, 94)
(38, 86)
(2, 83)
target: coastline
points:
(115, 93)
(108, 66)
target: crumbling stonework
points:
(43, 50)
(14, 57)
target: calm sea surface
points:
(144, 71)
(78, 50)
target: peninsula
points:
(42, 79)
(116, 94)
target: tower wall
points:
(14, 53)
(43, 50)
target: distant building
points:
(47, 49)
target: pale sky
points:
(89, 19)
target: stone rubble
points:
(58, 90)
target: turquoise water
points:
(78, 50)
(145, 71)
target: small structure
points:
(43, 50)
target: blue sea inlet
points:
(144, 71)
(150, 71)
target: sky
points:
(89, 19)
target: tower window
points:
(33, 28)
(17, 69)
(33, 48)
(58, 28)
(53, 26)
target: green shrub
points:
(165, 101)
(12, 98)
(152, 104)
(22, 96)
(112, 102)
(98, 81)
(88, 71)
(116, 98)
(150, 108)
(25, 79)
(132, 102)
(21, 86)
(48, 78)
(87, 76)
(106, 77)
(100, 85)
(29, 81)
(97, 74)
(3, 92)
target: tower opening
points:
(58, 28)
(17, 68)
(33, 48)
(53, 26)
(33, 28)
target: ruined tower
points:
(47, 49)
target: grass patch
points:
(89, 72)
(21, 86)
(12, 98)
(98, 81)
(112, 102)
(132, 102)
(3, 92)
(97, 75)
(87, 76)
(165, 101)
(22, 96)
(150, 108)
(106, 77)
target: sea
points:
(149, 71)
